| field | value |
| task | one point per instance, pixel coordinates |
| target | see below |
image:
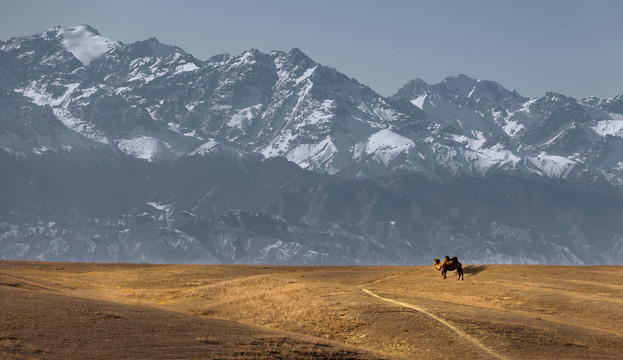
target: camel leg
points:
(460, 271)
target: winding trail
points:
(458, 331)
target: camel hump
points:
(454, 258)
(446, 257)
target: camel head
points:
(436, 264)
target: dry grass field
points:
(124, 311)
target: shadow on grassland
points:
(472, 270)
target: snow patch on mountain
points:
(419, 101)
(321, 153)
(282, 251)
(612, 126)
(485, 157)
(159, 206)
(385, 113)
(146, 75)
(85, 43)
(306, 75)
(147, 69)
(37, 93)
(143, 147)
(553, 166)
(185, 68)
(384, 146)
(244, 117)
(206, 148)
(512, 127)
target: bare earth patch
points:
(102, 311)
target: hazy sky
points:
(567, 46)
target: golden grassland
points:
(498, 311)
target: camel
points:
(449, 265)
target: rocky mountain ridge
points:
(155, 101)
(141, 152)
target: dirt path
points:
(458, 331)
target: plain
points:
(77, 310)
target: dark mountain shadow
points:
(472, 270)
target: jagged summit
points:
(161, 50)
(465, 86)
(557, 97)
(463, 90)
(84, 42)
(614, 104)
(153, 47)
(81, 27)
(412, 89)
(298, 54)
(295, 55)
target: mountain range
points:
(142, 153)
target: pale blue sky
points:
(567, 46)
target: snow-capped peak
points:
(84, 42)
